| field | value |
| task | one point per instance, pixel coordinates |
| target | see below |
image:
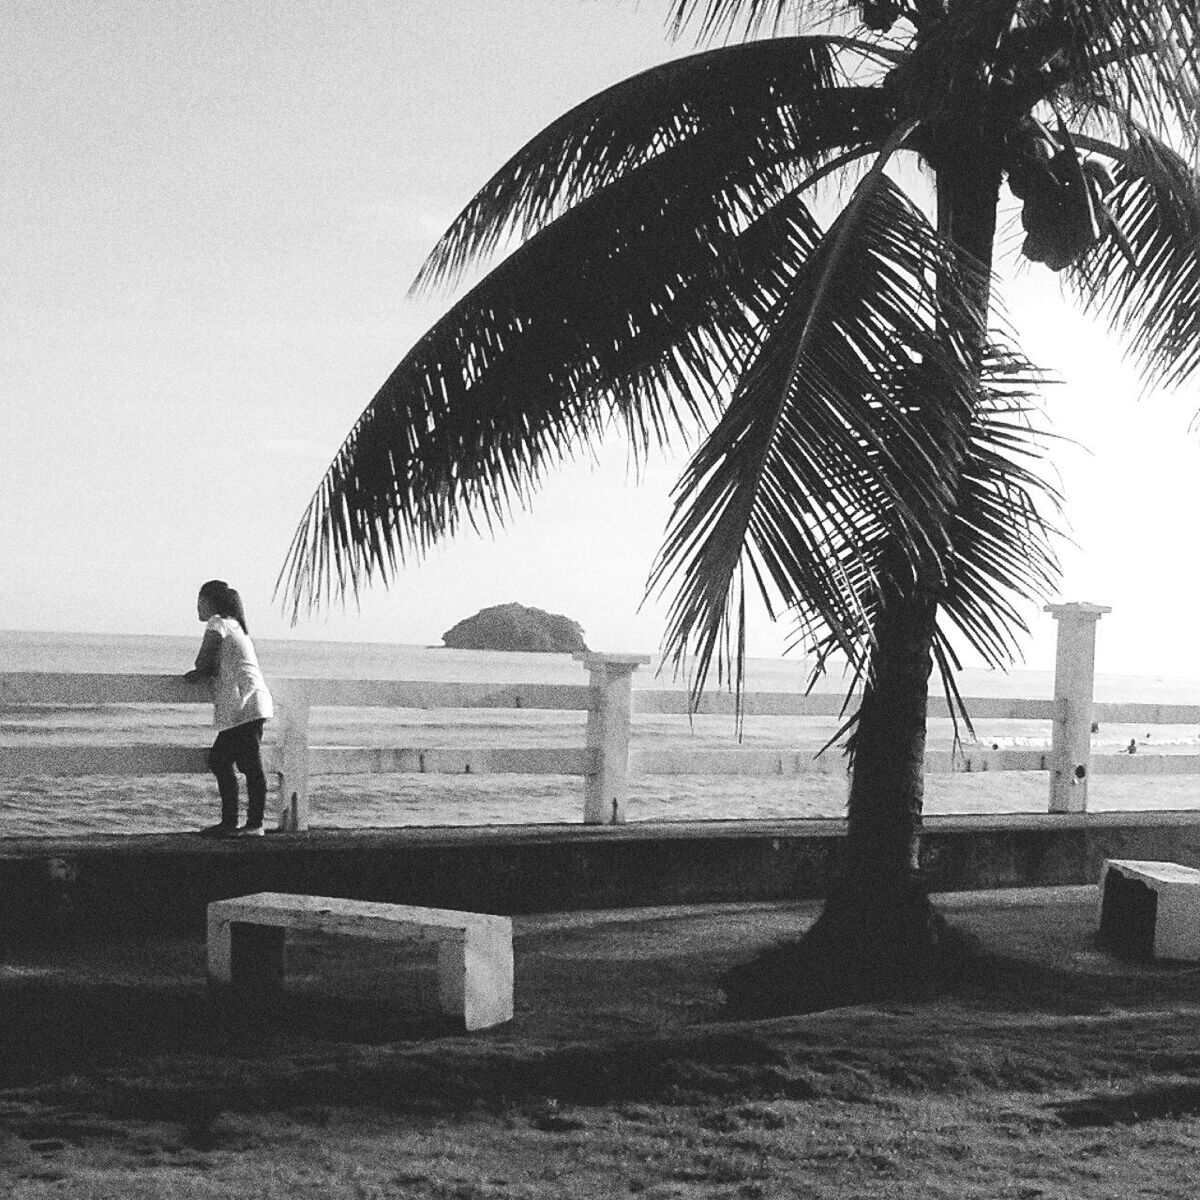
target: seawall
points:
(101, 887)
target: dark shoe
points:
(249, 831)
(220, 830)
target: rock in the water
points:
(515, 627)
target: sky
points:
(210, 214)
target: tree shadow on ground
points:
(179, 1053)
(1091, 981)
(55, 1028)
(1069, 972)
(1131, 1108)
(624, 1015)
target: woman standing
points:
(241, 707)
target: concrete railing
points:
(606, 760)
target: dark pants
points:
(240, 747)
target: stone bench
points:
(1150, 909)
(474, 965)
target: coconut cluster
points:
(879, 15)
(1063, 192)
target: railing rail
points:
(607, 759)
(797, 704)
(31, 687)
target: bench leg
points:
(475, 979)
(220, 964)
(246, 957)
(1128, 915)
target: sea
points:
(32, 806)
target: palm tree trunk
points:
(878, 920)
(878, 933)
(887, 783)
(880, 878)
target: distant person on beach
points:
(241, 707)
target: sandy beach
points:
(1054, 1070)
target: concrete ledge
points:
(114, 886)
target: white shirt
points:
(239, 691)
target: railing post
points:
(292, 763)
(606, 788)
(1074, 676)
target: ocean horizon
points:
(43, 806)
(44, 650)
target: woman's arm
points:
(208, 660)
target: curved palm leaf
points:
(998, 537)
(514, 376)
(718, 16)
(1147, 281)
(821, 453)
(1138, 55)
(1003, 532)
(638, 303)
(1000, 541)
(751, 105)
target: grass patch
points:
(1052, 1070)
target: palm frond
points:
(1000, 540)
(1141, 56)
(749, 104)
(826, 450)
(1003, 536)
(1005, 520)
(637, 306)
(1146, 281)
(999, 534)
(714, 17)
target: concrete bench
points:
(1150, 909)
(475, 959)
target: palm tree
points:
(784, 247)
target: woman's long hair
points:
(225, 601)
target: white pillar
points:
(1074, 673)
(606, 789)
(291, 711)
